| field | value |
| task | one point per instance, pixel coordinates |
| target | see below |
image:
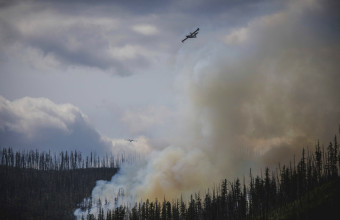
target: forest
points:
(42, 185)
(306, 189)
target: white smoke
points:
(271, 88)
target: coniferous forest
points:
(39, 185)
(169, 109)
(305, 189)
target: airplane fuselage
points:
(191, 35)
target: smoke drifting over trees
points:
(276, 94)
(259, 83)
(308, 189)
(270, 95)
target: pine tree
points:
(182, 209)
(157, 210)
(168, 210)
(191, 214)
(318, 158)
(175, 210)
(164, 214)
(134, 213)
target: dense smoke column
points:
(269, 91)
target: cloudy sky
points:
(259, 82)
(110, 68)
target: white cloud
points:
(145, 29)
(28, 116)
(142, 119)
(256, 28)
(124, 53)
(42, 124)
(283, 24)
(238, 36)
(139, 145)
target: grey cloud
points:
(88, 34)
(148, 120)
(73, 39)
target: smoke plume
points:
(269, 90)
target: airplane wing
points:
(193, 34)
(184, 39)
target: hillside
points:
(33, 186)
(319, 203)
(308, 189)
(46, 194)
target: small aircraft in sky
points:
(191, 35)
(130, 140)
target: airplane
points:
(191, 35)
(131, 140)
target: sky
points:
(119, 65)
(260, 81)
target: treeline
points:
(281, 194)
(64, 160)
(42, 185)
